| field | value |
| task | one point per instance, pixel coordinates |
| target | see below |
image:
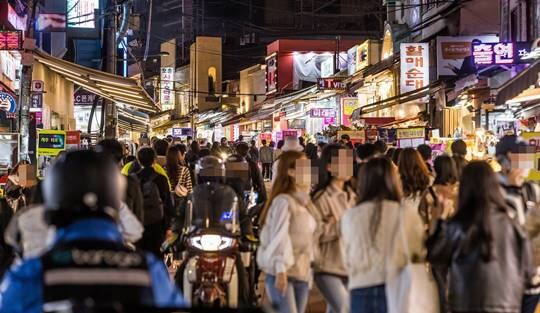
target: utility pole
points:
(109, 107)
(26, 84)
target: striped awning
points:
(121, 90)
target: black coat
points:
(475, 285)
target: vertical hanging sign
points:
(167, 88)
(414, 66)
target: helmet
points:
(210, 169)
(237, 173)
(82, 184)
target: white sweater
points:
(287, 238)
(366, 259)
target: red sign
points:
(331, 83)
(10, 40)
(73, 139)
(289, 133)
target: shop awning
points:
(234, 119)
(518, 84)
(390, 102)
(528, 95)
(288, 98)
(121, 90)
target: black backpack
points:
(153, 205)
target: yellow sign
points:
(362, 55)
(533, 138)
(49, 144)
(348, 105)
(407, 133)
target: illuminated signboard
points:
(414, 66)
(332, 83)
(167, 88)
(81, 13)
(10, 40)
(500, 53)
(271, 74)
(7, 102)
(323, 112)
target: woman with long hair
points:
(172, 165)
(446, 184)
(332, 196)
(459, 151)
(485, 251)
(287, 227)
(368, 230)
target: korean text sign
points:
(414, 66)
(167, 88)
(322, 112)
(492, 53)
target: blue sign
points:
(182, 132)
(7, 102)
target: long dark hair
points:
(413, 171)
(445, 170)
(479, 196)
(378, 180)
(326, 177)
(173, 163)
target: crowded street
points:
(270, 156)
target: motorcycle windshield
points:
(214, 206)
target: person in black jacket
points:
(256, 179)
(157, 202)
(486, 252)
(133, 198)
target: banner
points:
(355, 135)
(49, 144)
(453, 51)
(407, 133)
(322, 113)
(351, 61)
(73, 140)
(414, 66)
(166, 96)
(271, 74)
(348, 105)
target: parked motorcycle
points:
(213, 274)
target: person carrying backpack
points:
(158, 208)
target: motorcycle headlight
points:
(224, 156)
(211, 242)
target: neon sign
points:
(10, 40)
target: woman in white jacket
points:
(286, 241)
(368, 231)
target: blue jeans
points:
(529, 303)
(334, 291)
(295, 299)
(368, 300)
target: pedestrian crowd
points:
(381, 229)
(376, 229)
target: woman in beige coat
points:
(331, 197)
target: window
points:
(211, 81)
(514, 24)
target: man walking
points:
(267, 157)
(157, 202)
